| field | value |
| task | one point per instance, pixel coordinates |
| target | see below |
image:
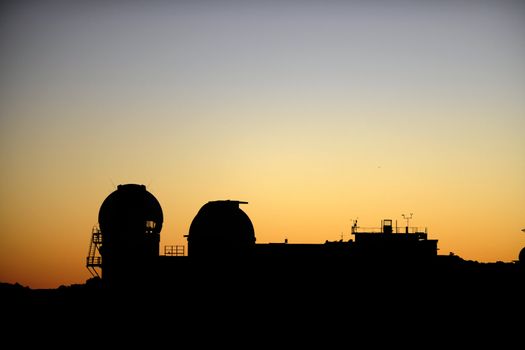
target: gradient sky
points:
(316, 113)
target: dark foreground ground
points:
(480, 304)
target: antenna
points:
(354, 225)
(149, 183)
(407, 218)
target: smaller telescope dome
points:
(221, 228)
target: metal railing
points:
(94, 261)
(174, 250)
(396, 230)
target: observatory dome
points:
(221, 227)
(131, 206)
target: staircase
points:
(94, 259)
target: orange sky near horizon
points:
(315, 115)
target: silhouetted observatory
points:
(130, 206)
(221, 229)
(130, 220)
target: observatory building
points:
(125, 245)
(127, 240)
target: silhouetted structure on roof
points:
(394, 244)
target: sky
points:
(316, 113)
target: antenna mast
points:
(407, 218)
(354, 225)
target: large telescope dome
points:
(129, 207)
(130, 221)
